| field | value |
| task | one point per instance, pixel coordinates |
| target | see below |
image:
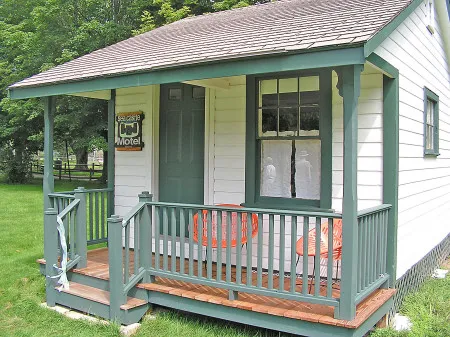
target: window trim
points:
(430, 95)
(253, 145)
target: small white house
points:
(327, 123)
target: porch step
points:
(100, 296)
(96, 302)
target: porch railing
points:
(96, 209)
(244, 250)
(372, 249)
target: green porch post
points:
(81, 228)
(115, 258)
(48, 181)
(50, 254)
(349, 88)
(390, 168)
(145, 234)
(111, 150)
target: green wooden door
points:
(182, 143)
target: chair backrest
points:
(215, 229)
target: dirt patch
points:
(446, 264)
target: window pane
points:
(309, 83)
(269, 119)
(430, 110)
(269, 100)
(198, 92)
(288, 85)
(307, 169)
(309, 113)
(429, 138)
(175, 94)
(288, 122)
(268, 93)
(289, 100)
(276, 168)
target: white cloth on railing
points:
(63, 281)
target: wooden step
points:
(100, 296)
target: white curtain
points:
(276, 168)
(307, 169)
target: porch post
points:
(349, 89)
(390, 168)
(50, 254)
(145, 234)
(48, 180)
(111, 150)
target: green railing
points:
(248, 250)
(97, 208)
(372, 249)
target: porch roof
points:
(283, 27)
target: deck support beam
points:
(48, 180)
(111, 151)
(349, 86)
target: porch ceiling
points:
(296, 32)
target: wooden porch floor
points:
(98, 268)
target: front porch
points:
(212, 301)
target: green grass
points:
(22, 288)
(428, 310)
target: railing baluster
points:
(157, 236)
(239, 248)
(91, 217)
(249, 248)
(173, 230)
(200, 244)
(317, 257)
(293, 278)
(228, 265)
(209, 235)
(305, 273)
(126, 271)
(182, 239)
(260, 248)
(103, 215)
(73, 215)
(330, 261)
(385, 235)
(219, 246)
(165, 239)
(374, 248)
(191, 242)
(271, 253)
(97, 219)
(378, 230)
(282, 252)
(365, 254)
(136, 247)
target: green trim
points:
(268, 64)
(253, 147)
(387, 30)
(349, 87)
(48, 179)
(383, 65)
(111, 151)
(429, 95)
(391, 89)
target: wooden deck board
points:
(97, 267)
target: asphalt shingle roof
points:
(271, 28)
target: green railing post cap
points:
(146, 195)
(115, 218)
(80, 188)
(51, 211)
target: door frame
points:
(208, 160)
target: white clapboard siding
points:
(424, 191)
(370, 142)
(133, 170)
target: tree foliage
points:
(36, 35)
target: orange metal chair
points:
(337, 244)
(215, 230)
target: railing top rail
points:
(250, 210)
(61, 195)
(132, 213)
(374, 210)
(96, 190)
(63, 192)
(69, 208)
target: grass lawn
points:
(22, 288)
